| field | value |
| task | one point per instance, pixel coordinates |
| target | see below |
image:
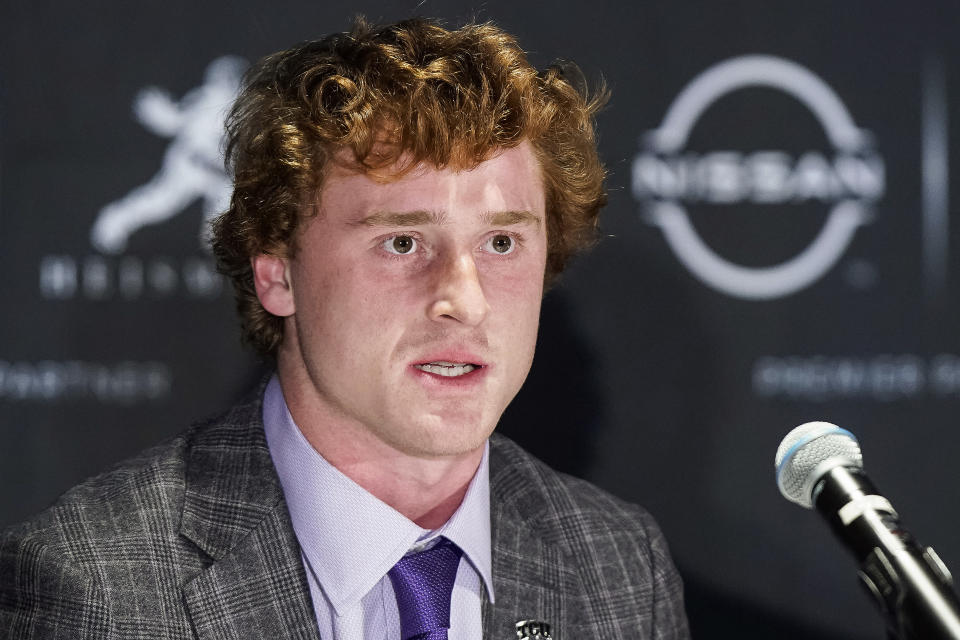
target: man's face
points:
(416, 301)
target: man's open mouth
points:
(447, 369)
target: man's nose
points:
(458, 293)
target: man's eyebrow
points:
(507, 218)
(401, 219)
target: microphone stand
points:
(910, 584)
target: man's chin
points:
(449, 440)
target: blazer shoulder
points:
(113, 505)
(543, 495)
(144, 494)
(60, 569)
(111, 553)
(626, 575)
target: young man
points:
(402, 196)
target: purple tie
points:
(423, 583)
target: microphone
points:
(819, 465)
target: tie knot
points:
(423, 583)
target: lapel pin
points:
(533, 630)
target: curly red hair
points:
(446, 97)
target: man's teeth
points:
(448, 369)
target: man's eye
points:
(400, 245)
(501, 243)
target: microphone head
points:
(810, 451)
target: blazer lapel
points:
(257, 590)
(532, 578)
(234, 512)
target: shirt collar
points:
(350, 538)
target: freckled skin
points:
(438, 265)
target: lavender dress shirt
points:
(349, 539)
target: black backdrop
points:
(778, 249)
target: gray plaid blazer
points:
(193, 539)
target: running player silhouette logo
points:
(192, 166)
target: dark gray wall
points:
(666, 385)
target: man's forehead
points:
(508, 185)
(385, 163)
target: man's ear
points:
(271, 277)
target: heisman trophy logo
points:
(192, 170)
(664, 176)
(192, 166)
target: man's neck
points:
(427, 490)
